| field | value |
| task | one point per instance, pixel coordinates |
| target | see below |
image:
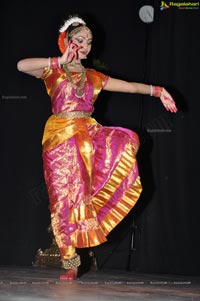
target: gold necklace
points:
(79, 88)
(74, 64)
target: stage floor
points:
(42, 284)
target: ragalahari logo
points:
(164, 5)
(180, 5)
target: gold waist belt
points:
(75, 114)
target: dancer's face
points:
(83, 38)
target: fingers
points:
(168, 102)
(171, 108)
(170, 105)
(73, 50)
(71, 53)
(75, 47)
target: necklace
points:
(74, 64)
(79, 88)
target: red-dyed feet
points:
(69, 275)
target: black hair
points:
(71, 28)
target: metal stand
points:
(109, 253)
(132, 245)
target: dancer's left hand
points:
(168, 101)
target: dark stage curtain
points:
(168, 219)
(165, 222)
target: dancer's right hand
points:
(70, 54)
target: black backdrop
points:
(164, 52)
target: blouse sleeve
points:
(50, 77)
(104, 78)
(46, 73)
(98, 80)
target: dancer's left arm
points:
(118, 85)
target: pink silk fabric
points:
(90, 170)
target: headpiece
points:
(72, 20)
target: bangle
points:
(156, 91)
(59, 64)
(151, 90)
(54, 62)
(49, 62)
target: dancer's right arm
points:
(33, 66)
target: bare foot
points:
(69, 275)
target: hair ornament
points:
(70, 21)
(61, 41)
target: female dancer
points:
(90, 170)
